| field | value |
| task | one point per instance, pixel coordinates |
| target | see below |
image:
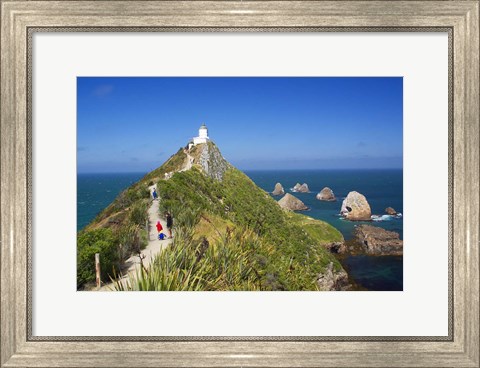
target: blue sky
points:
(133, 124)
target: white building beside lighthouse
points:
(202, 135)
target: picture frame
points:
(20, 19)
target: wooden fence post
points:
(97, 270)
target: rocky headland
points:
(215, 204)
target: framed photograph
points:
(294, 183)
(298, 238)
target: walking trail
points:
(189, 163)
(154, 246)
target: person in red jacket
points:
(159, 227)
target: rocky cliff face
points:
(212, 162)
(332, 280)
(356, 208)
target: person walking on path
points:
(169, 218)
(159, 227)
(154, 193)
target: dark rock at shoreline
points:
(326, 194)
(301, 188)
(356, 208)
(289, 202)
(278, 190)
(390, 211)
(378, 241)
(332, 280)
(337, 247)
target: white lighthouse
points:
(202, 135)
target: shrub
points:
(197, 265)
(138, 213)
(131, 239)
(130, 196)
(95, 241)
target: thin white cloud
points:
(103, 90)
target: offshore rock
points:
(356, 208)
(296, 186)
(301, 188)
(378, 241)
(289, 202)
(390, 211)
(326, 194)
(332, 280)
(278, 190)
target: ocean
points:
(382, 188)
(97, 191)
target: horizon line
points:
(280, 170)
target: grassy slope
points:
(321, 231)
(174, 163)
(289, 255)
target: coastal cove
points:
(382, 188)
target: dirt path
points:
(154, 245)
(189, 164)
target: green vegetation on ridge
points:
(174, 163)
(287, 256)
(228, 234)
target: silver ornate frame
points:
(21, 19)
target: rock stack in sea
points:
(378, 241)
(289, 202)
(356, 208)
(390, 211)
(326, 194)
(278, 190)
(301, 188)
